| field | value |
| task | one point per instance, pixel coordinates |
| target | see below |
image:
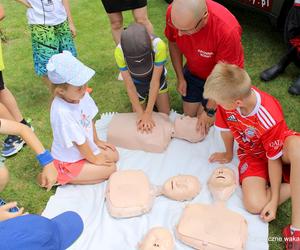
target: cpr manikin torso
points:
(214, 227)
(129, 192)
(122, 132)
(157, 238)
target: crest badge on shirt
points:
(250, 132)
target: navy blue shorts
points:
(195, 88)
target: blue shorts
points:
(195, 88)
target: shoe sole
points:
(20, 146)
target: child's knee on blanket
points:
(4, 177)
(111, 155)
(255, 194)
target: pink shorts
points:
(67, 171)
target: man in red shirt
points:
(268, 151)
(204, 32)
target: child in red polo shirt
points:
(267, 149)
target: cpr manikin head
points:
(181, 187)
(157, 238)
(185, 128)
(129, 193)
(222, 183)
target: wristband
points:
(45, 158)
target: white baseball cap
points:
(65, 68)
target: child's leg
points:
(110, 154)
(9, 101)
(116, 24)
(163, 103)
(255, 194)
(4, 177)
(92, 174)
(291, 155)
(4, 113)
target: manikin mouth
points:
(220, 177)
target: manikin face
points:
(185, 128)
(222, 183)
(181, 187)
(157, 239)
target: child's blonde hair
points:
(227, 83)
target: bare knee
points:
(111, 155)
(254, 203)
(116, 23)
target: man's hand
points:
(204, 123)
(269, 211)
(48, 177)
(105, 145)
(145, 122)
(181, 87)
(220, 157)
(5, 214)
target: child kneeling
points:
(267, 149)
(79, 156)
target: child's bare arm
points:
(49, 174)
(24, 2)
(88, 154)
(69, 15)
(275, 174)
(102, 144)
(132, 92)
(2, 13)
(224, 157)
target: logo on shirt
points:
(250, 132)
(232, 118)
(206, 54)
(85, 120)
(244, 168)
(276, 144)
(139, 61)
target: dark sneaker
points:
(292, 240)
(12, 145)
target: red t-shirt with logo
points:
(261, 133)
(218, 40)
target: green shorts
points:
(48, 41)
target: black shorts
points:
(292, 24)
(143, 90)
(112, 6)
(1, 81)
(195, 88)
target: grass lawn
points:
(263, 46)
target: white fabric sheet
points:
(102, 232)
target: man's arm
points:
(177, 62)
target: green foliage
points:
(262, 44)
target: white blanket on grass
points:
(102, 232)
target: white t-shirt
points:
(72, 123)
(46, 12)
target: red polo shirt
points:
(218, 40)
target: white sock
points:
(294, 229)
